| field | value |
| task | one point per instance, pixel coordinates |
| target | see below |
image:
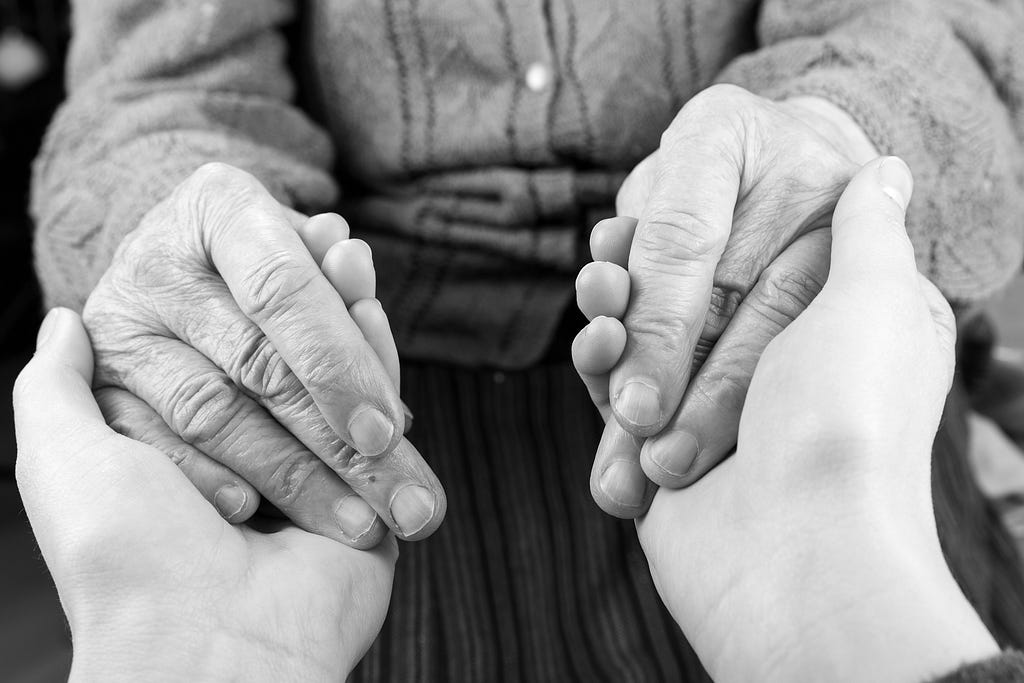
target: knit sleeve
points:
(1007, 667)
(937, 82)
(156, 88)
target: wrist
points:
(877, 608)
(146, 642)
(836, 125)
(139, 642)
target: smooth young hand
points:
(812, 553)
(156, 585)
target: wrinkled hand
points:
(718, 265)
(155, 584)
(219, 342)
(812, 553)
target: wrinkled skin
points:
(716, 271)
(219, 341)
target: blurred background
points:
(34, 643)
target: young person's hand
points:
(156, 584)
(812, 553)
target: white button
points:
(538, 77)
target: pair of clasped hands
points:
(243, 339)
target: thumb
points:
(53, 401)
(870, 247)
(873, 269)
(56, 419)
(74, 472)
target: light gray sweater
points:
(476, 141)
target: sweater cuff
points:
(1007, 667)
(964, 217)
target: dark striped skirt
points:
(527, 580)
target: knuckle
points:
(719, 92)
(784, 293)
(287, 483)
(300, 408)
(127, 416)
(673, 236)
(724, 389)
(203, 407)
(721, 308)
(709, 103)
(260, 368)
(701, 352)
(276, 285)
(328, 377)
(181, 455)
(341, 455)
(215, 195)
(725, 301)
(659, 331)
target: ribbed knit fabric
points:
(527, 580)
(1004, 668)
(476, 185)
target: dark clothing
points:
(528, 580)
(1005, 668)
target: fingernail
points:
(896, 180)
(408, 417)
(412, 507)
(229, 500)
(639, 403)
(624, 483)
(370, 430)
(49, 324)
(355, 516)
(674, 453)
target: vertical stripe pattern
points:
(528, 581)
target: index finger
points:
(679, 240)
(278, 285)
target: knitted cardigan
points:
(476, 141)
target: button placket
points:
(539, 77)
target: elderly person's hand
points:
(737, 180)
(156, 585)
(220, 342)
(812, 553)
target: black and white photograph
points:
(416, 341)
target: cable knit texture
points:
(476, 185)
